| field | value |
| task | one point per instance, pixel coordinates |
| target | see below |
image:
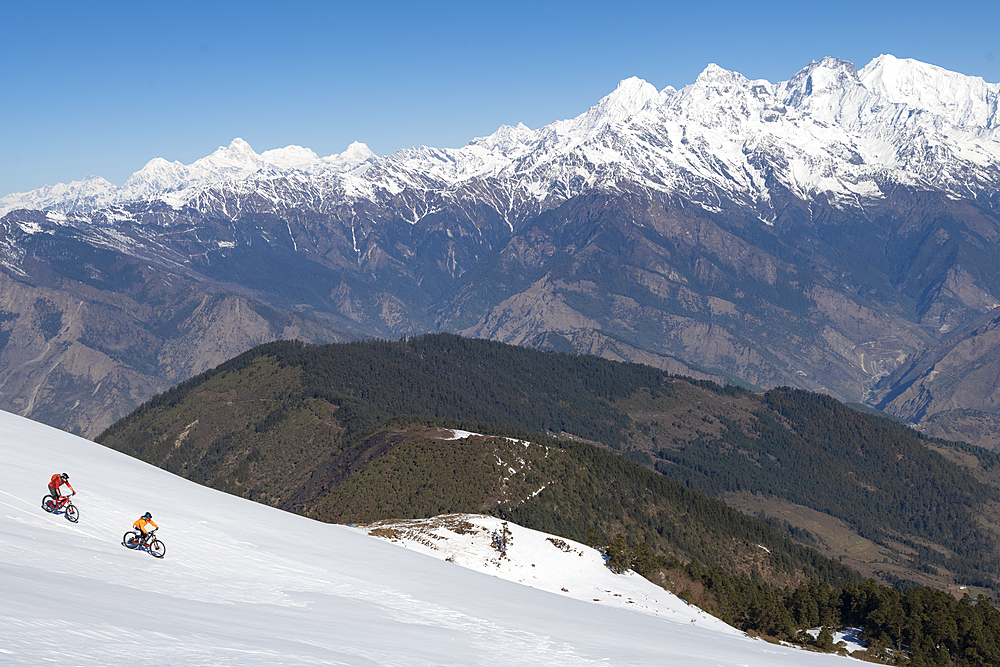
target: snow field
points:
(245, 584)
(539, 560)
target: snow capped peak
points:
(237, 146)
(157, 177)
(66, 197)
(713, 74)
(962, 100)
(237, 160)
(289, 157)
(716, 81)
(237, 155)
(357, 155)
(823, 79)
(506, 140)
(516, 132)
(158, 164)
(357, 152)
(157, 174)
(714, 86)
(629, 98)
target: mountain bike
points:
(149, 541)
(53, 505)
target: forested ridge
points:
(572, 489)
(298, 406)
(874, 473)
(451, 377)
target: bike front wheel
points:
(130, 540)
(157, 549)
(49, 504)
(72, 513)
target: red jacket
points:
(57, 481)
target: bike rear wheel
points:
(157, 549)
(49, 504)
(130, 540)
(72, 514)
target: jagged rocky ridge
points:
(817, 232)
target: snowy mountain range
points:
(830, 131)
(246, 584)
(818, 232)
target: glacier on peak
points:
(157, 175)
(965, 101)
(629, 98)
(290, 157)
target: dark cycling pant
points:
(54, 492)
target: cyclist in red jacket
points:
(57, 481)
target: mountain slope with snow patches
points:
(245, 584)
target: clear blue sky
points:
(101, 88)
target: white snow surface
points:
(539, 560)
(246, 584)
(830, 130)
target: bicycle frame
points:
(146, 538)
(62, 504)
(145, 541)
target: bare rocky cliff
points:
(952, 389)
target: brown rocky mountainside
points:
(952, 390)
(79, 358)
(824, 297)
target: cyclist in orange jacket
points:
(57, 481)
(142, 524)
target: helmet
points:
(65, 476)
(147, 516)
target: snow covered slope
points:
(539, 560)
(245, 584)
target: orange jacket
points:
(142, 524)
